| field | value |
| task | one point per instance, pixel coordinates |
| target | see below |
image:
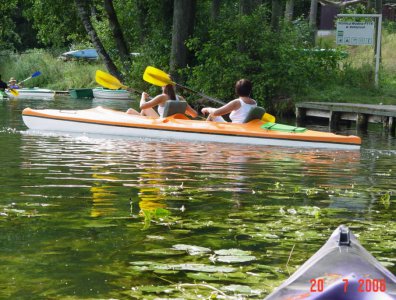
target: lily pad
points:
(193, 267)
(160, 252)
(192, 250)
(243, 289)
(232, 252)
(235, 258)
(236, 276)
(157, 289)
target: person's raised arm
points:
(225, 109)
(153, 102)
(191, 111)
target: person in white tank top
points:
(168, 93)
(237, 108)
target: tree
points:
(378, 6)
(370, 4)
(183, 25)
(8, 36)
(215, 9)
(245, 7)
(276, 14)
(289, 10)
(83, 12)
(54, 27)
(117, 34)
(313, 12)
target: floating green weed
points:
(385, 200)
(153, 215)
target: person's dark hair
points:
(243, 88)
(170, 91)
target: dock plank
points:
(360, 113)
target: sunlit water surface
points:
(101, 217)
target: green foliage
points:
(56, 22)
(389, 26)
(357, 9)
(278, 63)
(8, 37)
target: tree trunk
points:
(289, 10)
(245, 7)
(117, 34)
(82, 11)
(370, 4)
(167, 8)
(313, 12)
(215, 11)
(183, 26)
(142, 12)
(276, 14)
(378, 6)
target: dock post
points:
(334, 120)
(391, 126)
(362, 122)
(300, 116)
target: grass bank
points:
(356, 84)
(55, 73)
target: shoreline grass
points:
(55, 73)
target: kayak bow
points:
(341, 270)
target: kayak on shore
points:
(101, 93)
(101, 120)
(33, 93)
(341, 270)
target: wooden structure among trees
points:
(362, 114)
(330, 9)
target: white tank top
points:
(161, 109)
(239, 115)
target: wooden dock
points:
(338, 113)
(64, 93)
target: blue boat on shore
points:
(90, 54)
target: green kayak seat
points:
(255, 113)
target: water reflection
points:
(153, 170)
(68, 221)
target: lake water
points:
(102, 217)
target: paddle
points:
(14, 92)
(109, 81)
(35, 74)
(160, 78)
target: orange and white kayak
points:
(101, 120)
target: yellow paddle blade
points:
(268, 118)
(14, 92)
(108, 81)
(157, 77)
